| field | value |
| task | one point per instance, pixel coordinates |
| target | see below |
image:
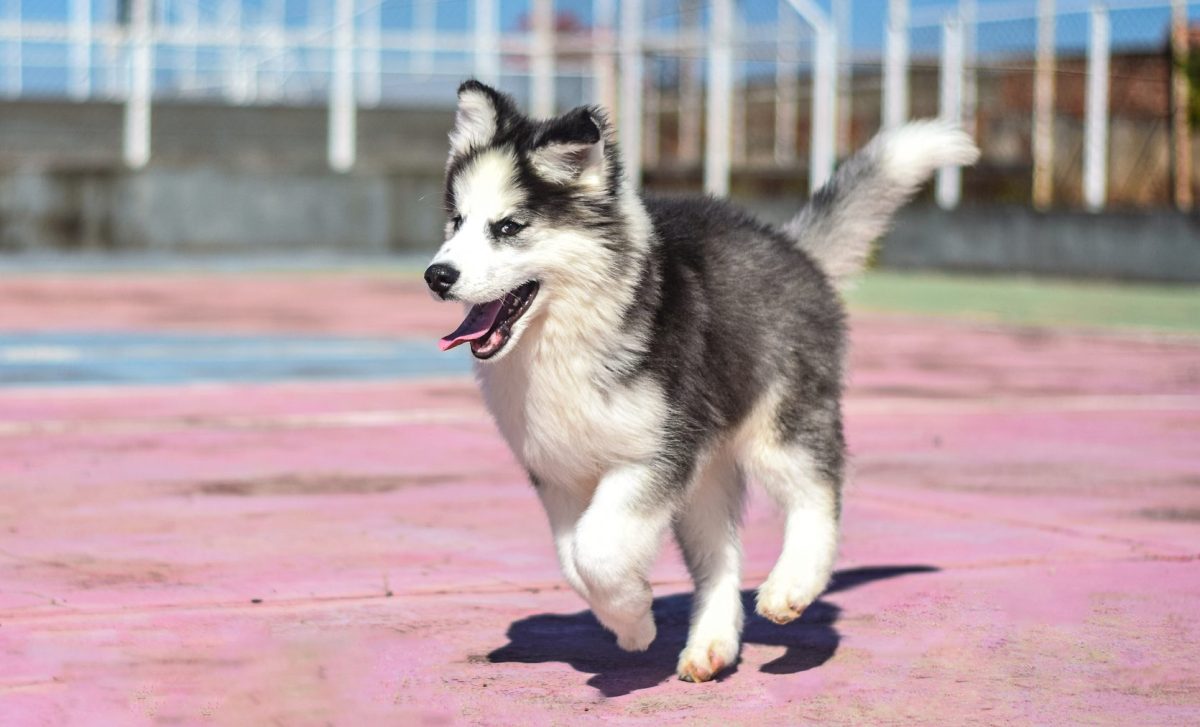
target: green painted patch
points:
(1031, 301)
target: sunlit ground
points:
(254, 492)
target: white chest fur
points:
(559, 417)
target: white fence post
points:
(190, 20)
(371, 91)
(81, 49)
(1043, 108)
(1095, 145)
(717, 143)
(136, 135)
(542, 59)
(823, 152)
(968, 14)
(632, 68)
(487, 41)
(273, 71)
(237, 87)
(13, 60)
(895, 65)
(949, 179)
(425, 25)
(342, 111)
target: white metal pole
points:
(631, 88)
(342, 119)
(425, 20)
(238, 71)
(371, 91)
(949, 179)
(787, 84)
(1043, 107)
(116, 70)
(1095, 146)
(272, 33)
(81, 49)
(487, 41)
(895, 66)
(720, 97)
(136, 148)
(13, 61)
(823, 152)
(969, 16)
(542, 59)
(189, 18)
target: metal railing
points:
(692, 82)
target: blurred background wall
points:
(219, 125)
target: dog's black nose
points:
(440, 278)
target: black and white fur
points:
(675, 348)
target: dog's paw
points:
(702, 662)
(784, 603)
(639, 636)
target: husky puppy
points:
(644, 357)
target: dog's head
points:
(528, 203)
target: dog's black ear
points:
(570, 149)
(481, 112)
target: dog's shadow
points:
(579, 640)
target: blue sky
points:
(1131, 27)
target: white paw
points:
(783, 603)
(701, 662)
(639, 636)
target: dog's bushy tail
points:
(855, 207)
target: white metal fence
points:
(723, 85)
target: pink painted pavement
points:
(1022, 534)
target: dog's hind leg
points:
(615, 543)
(707, 531)
(797, 456)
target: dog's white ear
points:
(477, 118)
(572, 149)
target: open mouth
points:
(488, 326)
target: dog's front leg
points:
(616, 541)
(564, 507)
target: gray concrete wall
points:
(255, 179)
(220, 178)
(1156, 246)
(218, 209)
(1150, 246)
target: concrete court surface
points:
(263, 499)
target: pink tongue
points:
(478, 322)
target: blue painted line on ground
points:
(91, 358)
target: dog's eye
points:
(456, 222)
(507, 227)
